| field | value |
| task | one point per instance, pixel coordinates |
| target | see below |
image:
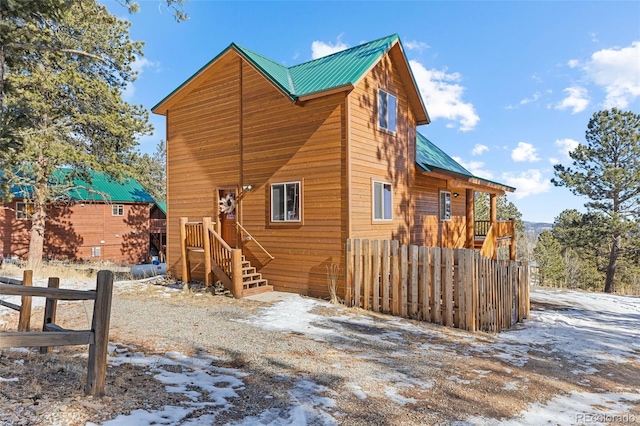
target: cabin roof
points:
(100, 188)
(162, 206)
(341, 70)
(431, 158)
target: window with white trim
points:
(24, 211)
(285, 202)
(387, 111)
(117, 210)
(382, 201)
(95, 251)
(445, 205)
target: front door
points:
(227, 216)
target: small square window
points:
(445, 205)
(382, 201)
(24, 211)
(117, 210)
(387, 111)
(95, 251)
(285, 202)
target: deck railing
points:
(501, 232)
(158, 225)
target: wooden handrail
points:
(221, 252)
(489, 245)
(254, 240)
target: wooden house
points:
(98, 221)
(290, 162)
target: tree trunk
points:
(609, 285)
(36, 242)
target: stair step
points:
(257, 290)
(252, 277)
(254, 283)
(248, 270)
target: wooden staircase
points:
(252, 280)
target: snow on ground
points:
(588, 329)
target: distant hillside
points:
(537, 227)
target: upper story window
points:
(445, 205)
(117, 210)
(382, 201)
(24, 211)
(285, 202)
(387, 110)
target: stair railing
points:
(226, 262)
(251, 238)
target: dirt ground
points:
(444, 376)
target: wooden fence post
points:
(437, 284)
(97, 365)
(348, 274)
(425, 283)
(375, 268)
(413, 273)
(357, 279)
(447, 295)
(366, 281)
(386, 275)
(50, 308)
(395, 278)
(24, 321)
(404, 277)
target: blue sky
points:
(509, 86)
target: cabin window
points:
(117, 210)
(445, 205)
(24, 211)
(95, 251)
(386, 111)
(285, 202)
(382, 201)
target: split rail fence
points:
(454, 287)
(53, 335)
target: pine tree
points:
(607, 170)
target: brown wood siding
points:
(380, 155)
(72, 231)
(428, 229)
(202, 150)
(281, 142)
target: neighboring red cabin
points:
(110, 224)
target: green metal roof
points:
(162, 206)
(337, 70)
(102, 187)
(329, 72)
(429, 157)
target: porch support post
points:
(236, 275)
(208, 272)
(493, 209)
(469, 204)
(183, 245)
(512, 245)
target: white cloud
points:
(479, 148)
(475, 167)
(529, 182)
(573, 63)
(137, 66)
(577, 99)
(320, 48)
(617, 71)
(416, 45)
(565, 146)
(524, 152)
(443, 96)
(533, 98)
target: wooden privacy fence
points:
(53, 335)
(454, 287)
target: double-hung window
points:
(285, 202)
(387, 111)
(445, 205)
(382, 201)
(24, 211)
(117, 210)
